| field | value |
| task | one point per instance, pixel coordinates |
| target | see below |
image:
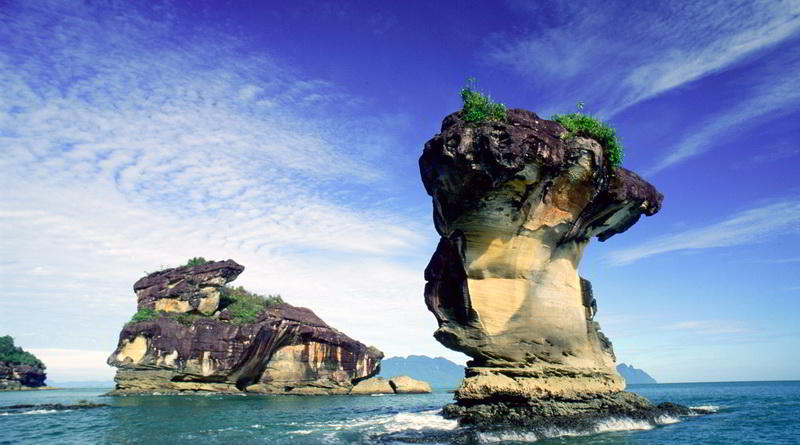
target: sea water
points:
(745, 413)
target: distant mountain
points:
(634, 376)
(439, 372)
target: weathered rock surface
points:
(394, 385)
(15, 376)
(374, 385)
(406, 385)
(515, 204)
(286, 350)
(574, 415)
(186, 289)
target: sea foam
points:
(389, 423)
(37, 411)
(709, 408)
(608, 425)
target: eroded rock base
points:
(574, 414)
(158, 381)
(545, 419)
(543, 381)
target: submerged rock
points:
(284, 350)
(26, 408)
(516, 204)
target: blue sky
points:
(286, 137)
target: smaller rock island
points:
(192, 332)
(19, 369)
(393, 385)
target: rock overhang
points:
(515, 204)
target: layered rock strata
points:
(515, 204)
(285, 350)
(186, 289)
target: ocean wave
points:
(36, 411)
(420, 421)
(388, 423)
(612, 424)
(621, 424)
(709, 408)
(667, 419)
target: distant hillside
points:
(634, 376)
(439, 372)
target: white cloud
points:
(624, 53)
(64, 365)
(125, 148)
(745, 227)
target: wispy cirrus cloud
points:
(130, 142)
(741, 228)
(709, 327)
(623, 53)
(774, 92)
(786, 260)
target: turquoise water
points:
(747, 413)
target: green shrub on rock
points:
(245, 306)
(144, 315)
(16, 355)
(186, 319)
(479, 107)
(585, 125)
(196, 261)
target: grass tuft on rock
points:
(145, 315)
(585, 125)
(196, 261)
(479, 107)
(245, 306)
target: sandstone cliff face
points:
(286, 350)
(515, 205)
